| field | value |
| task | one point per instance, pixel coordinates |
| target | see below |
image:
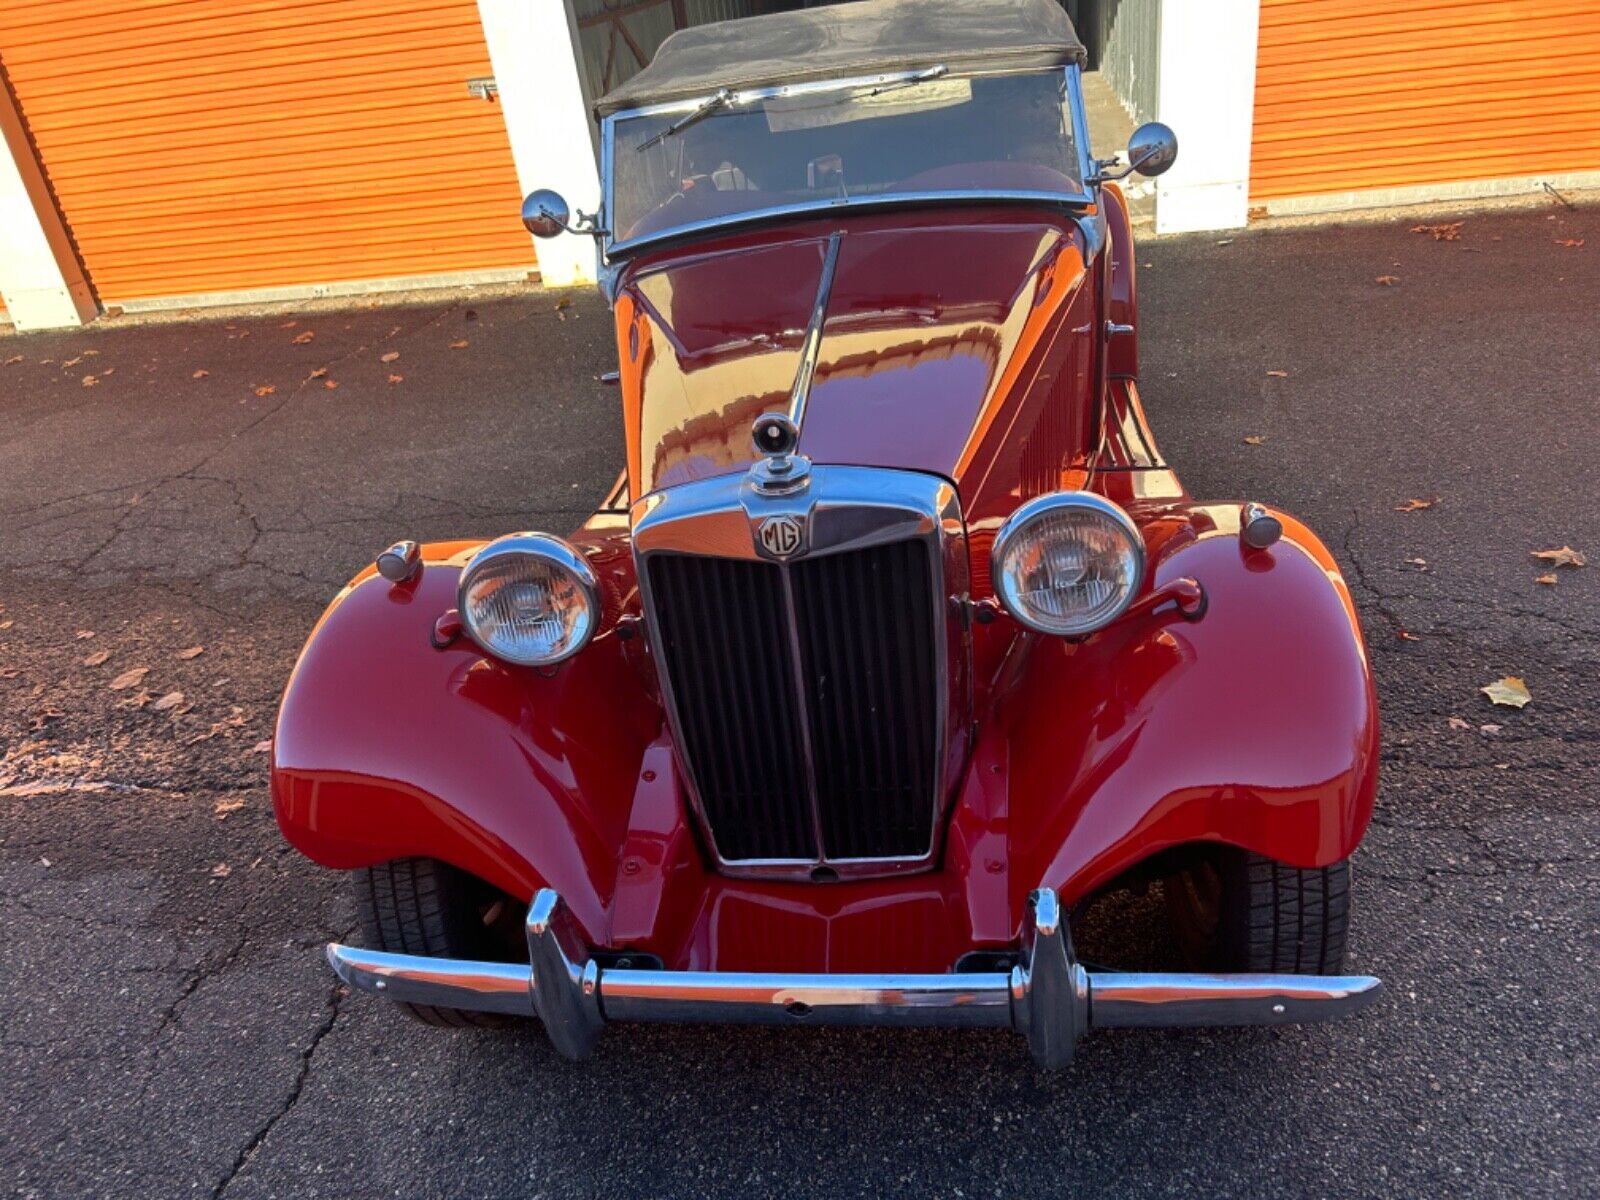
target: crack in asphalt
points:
(208, 967)
(335, 1003)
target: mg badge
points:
(781, 536)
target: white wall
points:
(553, 140)
(1206, 92)
(41, 281)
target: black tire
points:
(422, 906)
(1236, 911)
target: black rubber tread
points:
(1287, 919)
(422, 906)
(1269, 917)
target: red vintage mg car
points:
(896, 642)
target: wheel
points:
(422, 906)
(1236, 911)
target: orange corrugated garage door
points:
(1356, 94)
(215, 145)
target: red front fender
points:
(389, 748)
(1255, 725)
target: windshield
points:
(932, 134)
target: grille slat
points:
(875, 759)
(866, 624)
(722, 628)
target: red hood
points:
(934, 327)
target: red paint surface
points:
(963, 343)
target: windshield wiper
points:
(910, 80)
(722, 99)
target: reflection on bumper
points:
(1051, 999)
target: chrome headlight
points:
(1067, 563)
(530, 598)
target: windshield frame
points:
(611, 250)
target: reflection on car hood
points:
(925, 330)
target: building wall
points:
(1362, 102)
(198, 147)
(1126, 37)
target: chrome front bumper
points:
(1051, 1000)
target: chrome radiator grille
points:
(818, 678)
(866, 635)
(723, 625)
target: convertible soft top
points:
(869, 37)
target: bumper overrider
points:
(1051, 998)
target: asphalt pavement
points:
(168, 1027)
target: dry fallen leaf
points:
(224, 807)
(1510, 691)
(397, 378)
(300, 339)
(128, 678)
(83, 635)
(1458, 723)
(262, 747)
(1388, 280)
(13, 360)
(7, 624)
(90, 381)
(1564, 557)
(1572, 243)
(389, 357)
(200, 374)
(192, 652)
(1405, 635)
(170, 700)
(98, 657)
(1254, 440)
(1420, 564)
(461, 345)
(265, 389)
(1278, 374)
(1491, 730)
(285, 325)
(1415, 505)
(1441, 233)
(1547, 579)
(319, 372)
(221, 871)
(330, 384)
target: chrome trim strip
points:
(808, 761)
(453, 983)
(768, 999)
(1051, 999)
(809, 349)
(719, 517)
(853, 204)
(610, 250)
(1150, 1000)
(1080, 126)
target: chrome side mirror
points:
(1151, 150)
(545, 213)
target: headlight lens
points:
(530, 598)
(1067, 563)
